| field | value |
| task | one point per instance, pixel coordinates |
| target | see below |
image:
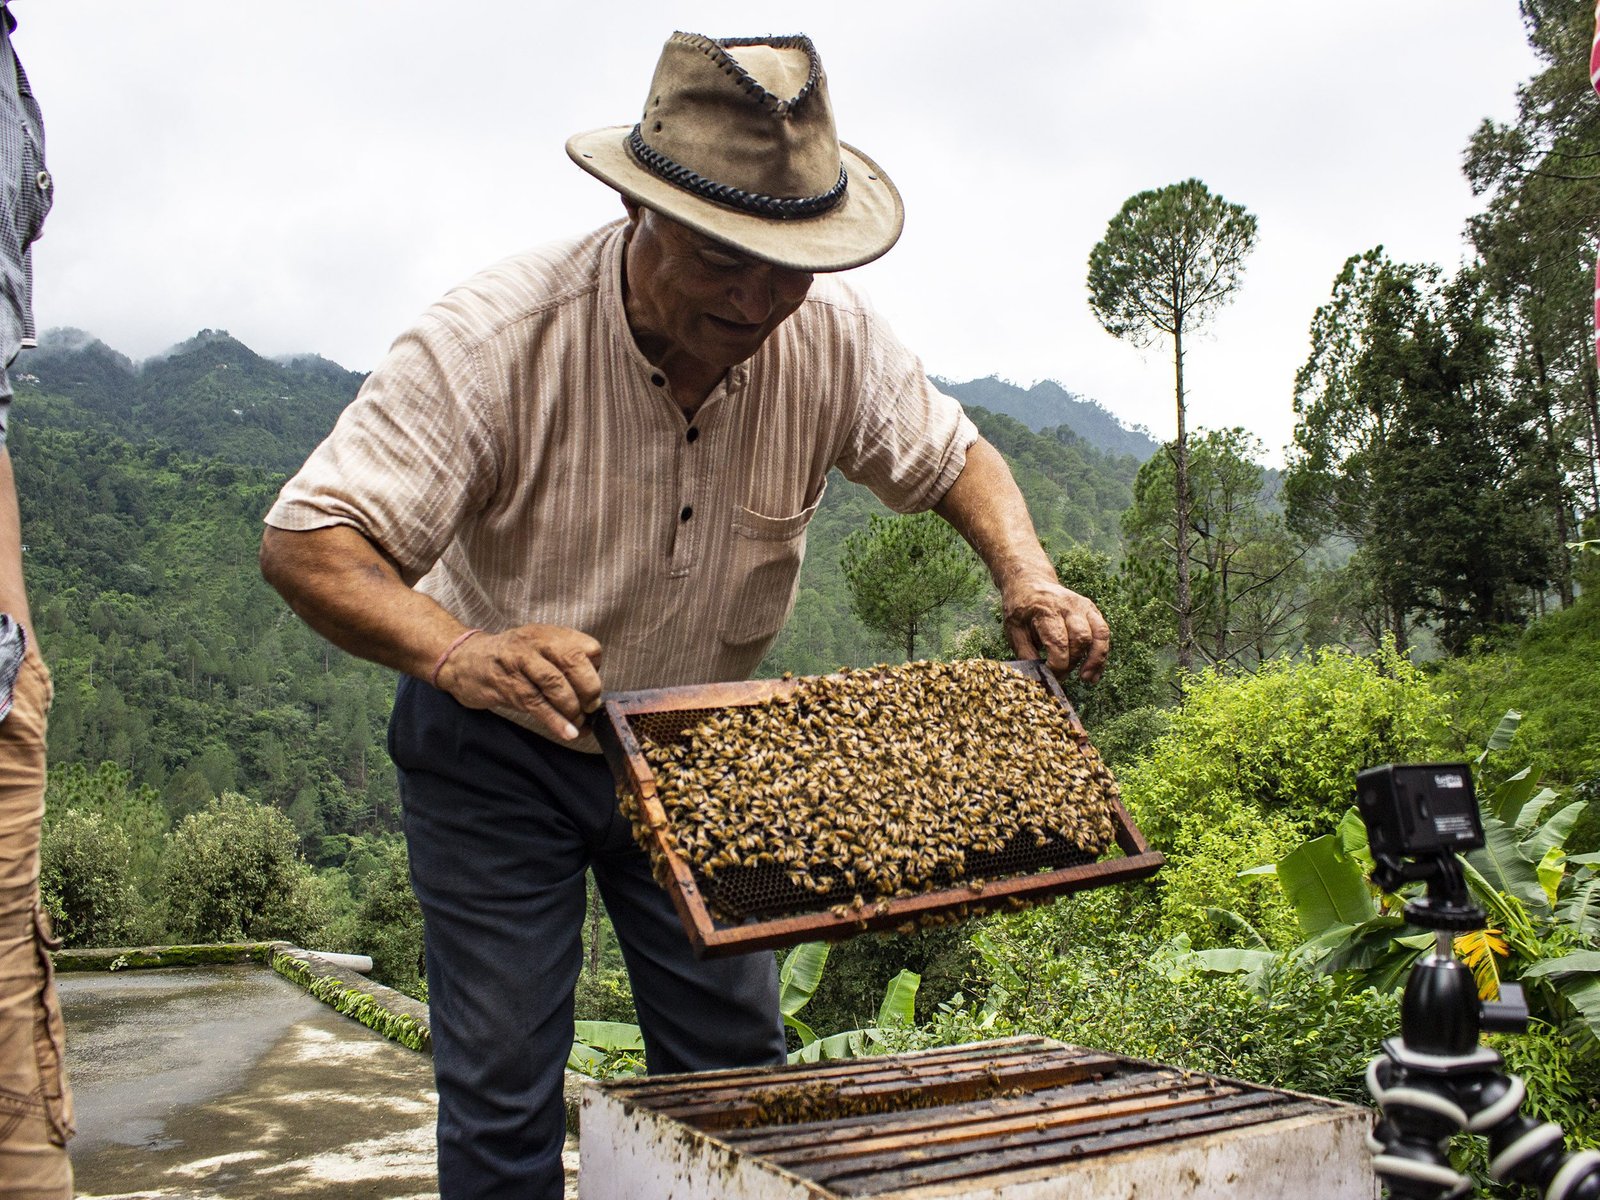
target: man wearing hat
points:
(596, 460)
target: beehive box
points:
(889, 863)
(1023, 1118)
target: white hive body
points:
(1020, 1119)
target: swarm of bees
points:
(876, 783)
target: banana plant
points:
(1543, 907)
(605, 1048)
(798, 982)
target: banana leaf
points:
(1502, 735)
(1352, 835)
(1226, 918)
(1534, 809)
(608, 1035)
(1502, 865)
(899, 999)
(1581, 909)
(1553, 833)
(800, 977)
(1507, 800)
(1325, 887)
(1579, 962)
(838, 1045)
(1552, 869)
(1229, 961)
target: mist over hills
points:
(1047, 405)
(211, 395)
(216, 396)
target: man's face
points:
(688, 294)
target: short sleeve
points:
(909, 440)
(411, 458)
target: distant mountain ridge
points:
(212, 395)
(215, 396)
(1047, 405)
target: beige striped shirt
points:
(518, 453)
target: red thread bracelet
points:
(448, 651)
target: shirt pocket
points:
(763, 573)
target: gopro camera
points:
(1419, 809)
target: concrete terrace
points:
(229, 1081)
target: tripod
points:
(1435, 1078)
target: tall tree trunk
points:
(1591, 389)
(1557, 484)
(1184, 504)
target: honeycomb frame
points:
(627, 720)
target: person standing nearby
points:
(35, 1101)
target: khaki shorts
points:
(35, 1102)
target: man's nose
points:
(765, 288)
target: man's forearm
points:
(13, 596)
(344, 588)
(987, 509)
(1041, 617)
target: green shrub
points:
(1207, 876)
(1288, 1027)
(1127, 737)
(85, 881)
(233, 872)
(604, 995)
(1288, 739)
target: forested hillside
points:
(143, 490)
(1048, 406)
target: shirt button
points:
(693, 435)
(659, 379)
(44, 181)
(688, 511)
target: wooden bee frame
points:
(616, 726)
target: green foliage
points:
(1169, 259)
(1134, 678)
(604, 995)
(904, 572)
(1128, 737)
(134, 810)
(1208, 878)
(798, 980)
(606, 1049)
(354, 1002)
(1549, 677)
(233, 872)
(84, 881)
(1246, 570)
(1086, 973)
(1543, 910)
(1410, 445)
(1288, 739)
(851, 989)
(386, 922)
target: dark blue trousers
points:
(500, 825)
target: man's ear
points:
(634, 209)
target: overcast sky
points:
(310, 175)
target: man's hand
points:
(549, 672)
(1044, 619)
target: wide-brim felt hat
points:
(737, 141)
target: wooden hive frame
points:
(713, 938)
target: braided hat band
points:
(737, 141)
(782, 208)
